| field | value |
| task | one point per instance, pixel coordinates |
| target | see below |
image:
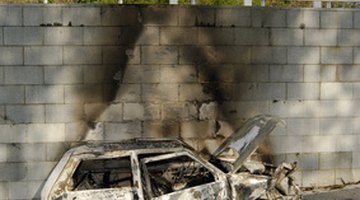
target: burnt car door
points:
(90, 176)
(182, 176)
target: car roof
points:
(134, 144)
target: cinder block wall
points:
(74, 73)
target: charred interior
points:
(103, 173)
(174, 174)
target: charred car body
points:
(170, 169)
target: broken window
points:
(172, 174)
(103, 173)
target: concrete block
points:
(39, 171)
(336, 91)
(335, 126)
(349, 73)
(179, 111)
(348, 37)
(43, 55)
(24, 189)
(128, 93)
(198, 16)
(318, 178)
(252, 36)
(2, 115)
(82, 55)
(134, 111)
(215, 55)
(285, 144)
(159, 55)
(312, 73)
(37, 133)
(192, 92)
(338, 160)
(303, 126)
(208, 111)
(198, 129)
(216, 73)
(13, 171)
(37, 15)
(268, 18)
(180, 35)
(356, 55)
(4, 190)
(328, 73)
(347, 143)
(23, 35)
(344, 108)
(98, 74)
(286, 73)
(320, 37)
(319, 143)
(270, 91)
(303, 18)
(63, 74)
(26, 114)
(212, 36)
(356, 89)
(337, 55)
(320, 108)
(245, 91)
(307, 161)
(268, 55)
(11, 94)
(11, 56)
(245, 109)
(44, 94)
(55, 150)
(336, 19)
(142, 74)
(157, 15)
(356, 20)
(303, 55)
(233, 17)
(148, 35)
(178, 74)
(26, 152)
(161, 129)
(344, 175)
(301, 91)
(160, 92)
(63, 113)
(63, 36)
(355, 125)
(24, 75)
(84, 130)
(85, 16)
(3, 153)
(90, 93)
(116, 16)
(121, 55)
(355, 159)
(286, 37)
(11, 15)
(287, 108)
(13, 133)
(103, 35)
(121, 131)
(249, 73)
(104, 112)
(2, 75)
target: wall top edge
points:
(171, 6)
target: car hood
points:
(248, 137)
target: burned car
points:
(162, 169)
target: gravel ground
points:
(352, 193)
